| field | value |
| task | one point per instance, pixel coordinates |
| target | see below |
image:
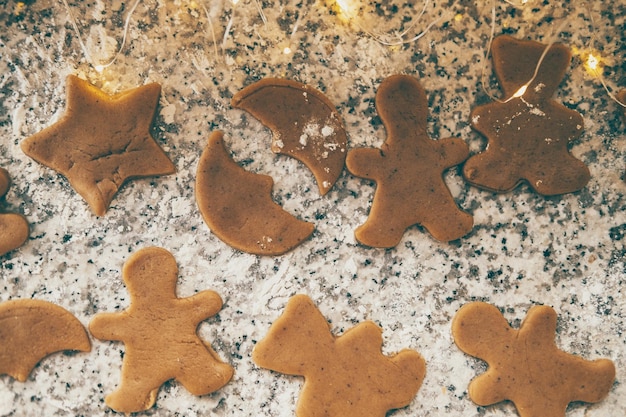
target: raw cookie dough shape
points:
(30, 330)
(529, 133)
(344, 376)
(304, 124)
(159, 332)
(14, 228)
(102, 141)
(237, 205)
(408, 170)
(525, 365)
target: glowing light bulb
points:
(347, 9)
(592, 65)
(99, 68)
(521, 91)
(235, 2)
(287, 50)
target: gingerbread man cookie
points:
(102, 141)
(159, 332)
(529, 132)
(344, 376)
(408, 170)
(13, 227)
(525, 365)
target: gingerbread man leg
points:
(563, 175)
(137, 391)
(203, 372)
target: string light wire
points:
(345, 9)
(88, 56)
(520, 92)
(593, 63)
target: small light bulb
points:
(287, 50)
(521, 91)
(99, 68)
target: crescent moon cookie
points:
(525, 365)
(408, 170)
(304, 124)
(345, 376)
(30, 330)
(14, 228)
(237, 205)
(102, 141)
(529, 132)
(159, 331)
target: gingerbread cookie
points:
(237, 205)
(344, 376)
(304, 124)
(13, 227)
(30, 330)
(408, 170)
(159, 332)
(102, 141)
(525, 365)
(529, 132)
(621, 96)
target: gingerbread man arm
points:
(106, 326)
(454, 151)
(365, 163)
(203, 305)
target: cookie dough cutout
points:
(528, 133)
(408, 170)
(14, 228)
(621, 97)
(525, 365)
(237, 205)
(159, 332)
(345, 376)
(304, 124)
(102, 141)
(31, 330)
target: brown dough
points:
(304, 123)
(159, 332)
(525, 365)
(14, 228)
(408, 170)
(621, 96)
(528, 135)
(30, 330)
(344, 376)
(237, 205)
(102, 141)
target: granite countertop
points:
(566, 252)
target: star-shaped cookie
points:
(159, 331)
(344, 376)
(408, 170)
(529, 132)
(525, 365)
(102, 141)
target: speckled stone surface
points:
(567, 252)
